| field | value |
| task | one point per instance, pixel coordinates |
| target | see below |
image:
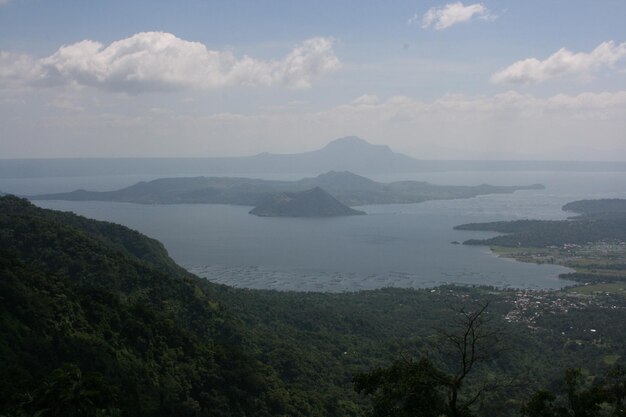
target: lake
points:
(407, 245)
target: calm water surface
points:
(395, 245)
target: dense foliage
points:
(406, 388)
(98, 316)
(96, 319)
(579, 396)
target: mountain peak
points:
(353, 142)
(315, 202)
(334, 180)
(339, 174)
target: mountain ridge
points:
(350, 189)
(347, 153)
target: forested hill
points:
(96, 320)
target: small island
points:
(310, 203)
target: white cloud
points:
(158, 61)
(3, 2)
(451, 14)
(15, 67)
(562, 63)
(366, 99)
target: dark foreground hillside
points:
(97, 320)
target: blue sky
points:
(241, 77)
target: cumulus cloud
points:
(15, 67)
(443, 17)
(562, 63)
(158, 61)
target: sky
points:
(507, 79)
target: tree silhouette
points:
(426, 387)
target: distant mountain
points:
(350, 189)
(344, 154)
(349, 153)
(310, 203)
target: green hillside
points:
(96, 318)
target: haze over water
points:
(405, 245)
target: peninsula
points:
(591, 243)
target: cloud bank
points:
(459, 107)
(158, 61)
(443, 17)
(562, 63)
(508, 125)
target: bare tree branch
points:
(470, 341)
